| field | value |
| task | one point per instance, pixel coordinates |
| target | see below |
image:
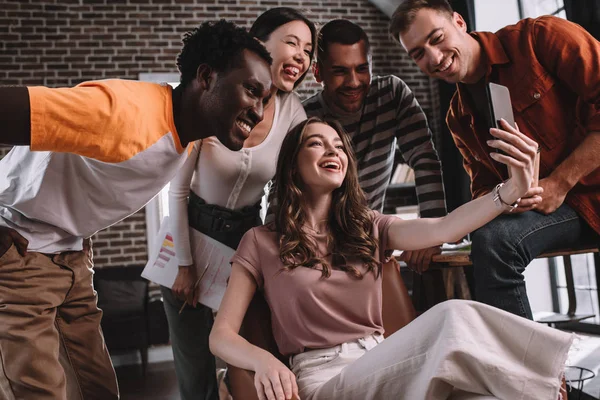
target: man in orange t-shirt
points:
(97, 153)
(552, 70)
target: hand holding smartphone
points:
(500, 107)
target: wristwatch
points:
(501, 203)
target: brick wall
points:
(64, 42)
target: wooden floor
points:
(160, 382)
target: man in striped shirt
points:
(379, 114)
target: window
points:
(491, 15)
(586, 288)
(535, 8)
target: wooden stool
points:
(446, 274)
(571, 315)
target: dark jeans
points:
(194, 364)
(504, 247)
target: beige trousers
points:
(51, 345)
(457, 346)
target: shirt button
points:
(227, 226)
(537, 96)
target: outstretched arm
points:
(14, 116)
(272, 379)
(425, 232)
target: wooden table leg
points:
(463, 286)
(449, 277)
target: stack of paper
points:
(211, 260)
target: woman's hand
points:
(185, 285)
(518, 154)
(274, 381)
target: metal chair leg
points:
(570, 286)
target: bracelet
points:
(501, 203)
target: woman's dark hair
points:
(272, 19)
(350, 220)
(218, 45)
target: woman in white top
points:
(224, 189)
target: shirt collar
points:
(494, 55)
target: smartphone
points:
(499, 105)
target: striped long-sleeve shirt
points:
(390, 117)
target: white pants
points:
(457, 346)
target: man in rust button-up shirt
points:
(552, 70)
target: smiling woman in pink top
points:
(319, 266)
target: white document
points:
(211, 260)
(162, 263)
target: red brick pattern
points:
(64, 42)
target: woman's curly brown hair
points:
(350, 220)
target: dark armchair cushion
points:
(121, 298)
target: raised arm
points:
(272, 379)
(426, 232)
(14, 116)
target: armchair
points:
(398, 311)
(123, 298)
